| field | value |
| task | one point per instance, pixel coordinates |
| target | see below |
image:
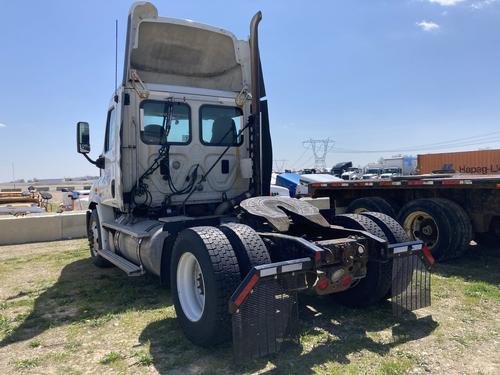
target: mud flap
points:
(265, 308)
(267, 319)
(411, 283)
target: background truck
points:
(406, 165)
(445, 211)
(184, 194)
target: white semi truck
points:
(184, 194)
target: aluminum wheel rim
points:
(420, 225)
(190, 287)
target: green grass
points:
(111, 358)
(482, 290)
(24, 364)
(144, 358)
(73, 308)
(35, 343)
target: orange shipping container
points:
(468, 162)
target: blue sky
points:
(372, 75)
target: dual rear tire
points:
(440, 223)
(208, 263)
(376, 285)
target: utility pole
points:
(319, 147)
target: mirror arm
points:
(89, 159)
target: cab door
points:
(110, 180)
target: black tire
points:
(395, 234)
(221, 276)
(360, 222)
(94, 242)
(372, 204)
(449, 227)
(249, 248)
(466, 233)
(391, 228)
(377, 283)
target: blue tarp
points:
(289, 181)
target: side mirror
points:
(83, 137)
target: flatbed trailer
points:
(445, 211)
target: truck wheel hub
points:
(420, 225)
(190, 287)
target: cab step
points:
(131, 269)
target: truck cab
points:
(388, 173)
(352, 173)
(184, 194)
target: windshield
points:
(373, 171)
(392, 170)
(352, 169)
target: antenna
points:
(116, 61)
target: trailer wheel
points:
(370, 204)
(249, 248)
(442, 224)
(377, 283)
(95, 241)
(204, 273)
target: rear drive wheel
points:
(391, 228)
(249, 248)
(377, 282)
(440, 223)
(95, 240)
(204, 273)
(372, 204)
(395, 234)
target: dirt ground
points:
(61, 315)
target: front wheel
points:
(204, 273)
(95, 240)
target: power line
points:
(279, 165)
(319, 147)
(294, 164)
(459, 142)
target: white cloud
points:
(428, 26)
(480, 4)
(2, 125)
(446, 3)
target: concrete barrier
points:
(46, 227)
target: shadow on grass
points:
(336, 332)
(479, 263)
(86, 294)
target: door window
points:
(220, 125)
(109, 138)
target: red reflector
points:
(323, 284)
(415, 182)
(317, 256)
(451, 182)
(346, 280)
(246, 290)
(428, 256)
